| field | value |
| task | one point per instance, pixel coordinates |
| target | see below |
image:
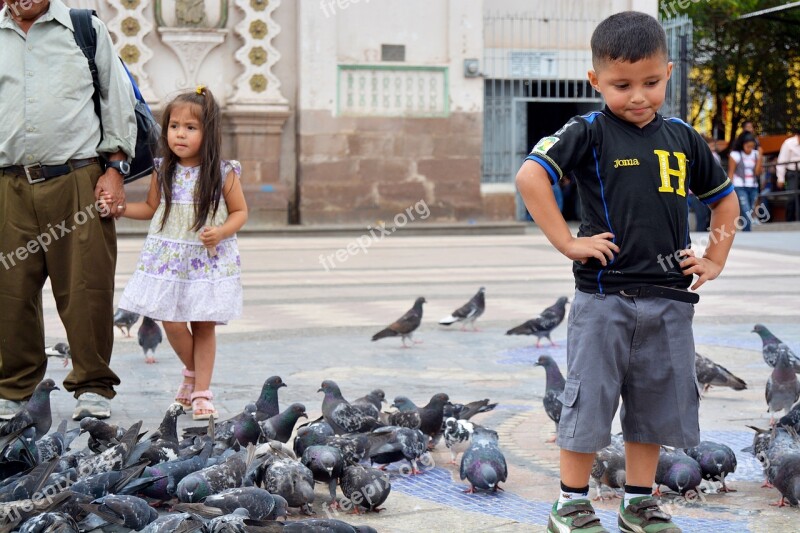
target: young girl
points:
(744, 168)
(188, 272)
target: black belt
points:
(37, 173)
(659, 291)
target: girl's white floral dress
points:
(175, 279)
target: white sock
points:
(565, 497)
(629, 497)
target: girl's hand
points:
(598, 246)
(210, 236)
(107, 202)
(705, 268)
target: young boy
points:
(630, 325)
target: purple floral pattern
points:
(175, 278)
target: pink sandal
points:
(184, 394)
(201, 401)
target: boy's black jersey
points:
(633, 182)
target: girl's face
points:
(185, 135)
(748, 147)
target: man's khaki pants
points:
(54, 229)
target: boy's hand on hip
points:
(705, 268)
(598, 246)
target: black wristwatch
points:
(123, 167)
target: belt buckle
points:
(633, 294)
(31, 180)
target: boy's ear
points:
(669, 69)
(592, 75)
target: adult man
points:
(788, 171)
(51, 223)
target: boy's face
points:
(633, 91)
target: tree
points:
(749, 68)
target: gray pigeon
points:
(267, 403)
(343, 417)
(365, 487)
(232, 522)
(112, 458)
(710, 373)
(312, 433)
(483, 464)
(281, 426)
(466, 411)
(213, 479)
(60, 350)
(326, 464)
(52, 522)
(371, 404)
(469, 312)
(55, 443)
(432, 415)
(608, 467)
(677, 471)
(782, 389)
(405, 325)
(164, 442)
(792, 418)
(786, 479)
(102, 435)
(544, 324)
(318, 525)
(176, 523)
(353, 446)
(407, 414)
(553, 389)
(258, 502)
(457, 436)
(170, 473)
(716, 461)
(293, 481)
(769, 348)
(36, 411)
(149, 338)
(125, 320)
(392, 443)
(123, 510)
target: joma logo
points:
(626, 163)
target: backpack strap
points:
(86, 38)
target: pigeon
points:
(281, 426)
(759, 449)
(102, 435)
(466, 411)
(544, 324)
(52, 522)
(113, 482)
(405, 325)
(170, 473)
(353, 446)
(312, 433)
(125, 320)
(791, 419)
(407, 414)
(469, 312)
(164, 441)
(716, 461)
(124, 510)
(291, 480)
(315, 525)
(371, 404)
(769, 348)
(36, 411)
(782, 449)
(786, 479)
(267, 403)
(457, 436)
(213, 479)
(677, 471)
(12, 513)
(149, 338)
(26, 486)
(244, 425)
(55, 443)
(392, 443)
(710, 373)
(114, 457)
(553, 389)
(258, 502)
(432, 415)
(608, 467)
(326, 464)
(343, 417)
(365, 487)
(782, 389)
(483, 464)
(59, 350)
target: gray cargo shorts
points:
(641, 349)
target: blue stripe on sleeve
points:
(721, 194)
(547, 167)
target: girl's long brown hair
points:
(209, 185)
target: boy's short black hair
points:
(628, 36)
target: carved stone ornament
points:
(258, 29)
(192, 45)
(257, 85)
(131, 25)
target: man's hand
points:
(705, 268)
(110, 188)
(598, 246)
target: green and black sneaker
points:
(577, 515)
(643, 515)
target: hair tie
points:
(200, 89)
